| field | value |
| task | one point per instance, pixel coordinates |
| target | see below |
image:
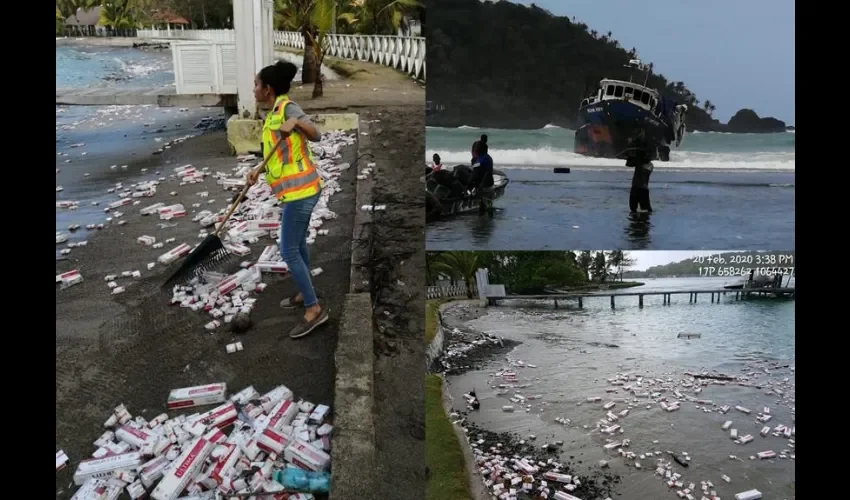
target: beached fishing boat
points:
(442, 200)
(624, 119)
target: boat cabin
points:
(639, 95)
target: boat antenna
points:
(648, 71)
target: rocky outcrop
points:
(747, 121)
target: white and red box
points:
(272, 441)
(136, 437)
(95, 468)
(152, 470)
(282, 414)
(189, 397)
(61, 460)
(306, 456)
(220, 416)
(221, 468)
(184, 469)
(275, 396)
(263, 225)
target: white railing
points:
(406, 54)
(440, 292)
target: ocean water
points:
(90, 140)
(576, 351)
(717, 191)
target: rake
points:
(211, 253)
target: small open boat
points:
(444, 201)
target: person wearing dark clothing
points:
(639, 195)
(481, 140)
(640, 158)
(482, 168)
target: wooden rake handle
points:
(246, 188)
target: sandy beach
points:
(557, 373)
(132, 348)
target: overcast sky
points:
(736, 53)
(647, 258)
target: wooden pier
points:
(156, 96)
(693, 295)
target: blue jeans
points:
(294, 226)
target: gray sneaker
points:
(304, 327)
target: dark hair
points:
(278, 76)
(484, 139)
(482, 146)
(436, 157)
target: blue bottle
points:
(303, 480)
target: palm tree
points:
(454, 264)
(294, 15)
(620, 261)
(382, 17)
(117, 14)
(615, 260)
(585, 259)
(599, 268)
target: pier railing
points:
(403, 53)
(693, 295)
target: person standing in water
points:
(641, 160)
(295, 182)
(639, 194)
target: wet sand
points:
(566, 379)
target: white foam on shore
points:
(685, 160)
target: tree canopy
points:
(505, 65)
(530, 272)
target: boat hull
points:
(619, 129)
(440, 206)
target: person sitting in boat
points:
(482, 169)
(435, 166)
(462, 173)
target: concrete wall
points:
(245, 135)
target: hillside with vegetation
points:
(504, 65)
(691, 267)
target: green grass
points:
(432, 308)
(447, 473)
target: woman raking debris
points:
(295, 182)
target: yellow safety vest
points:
(290, 171)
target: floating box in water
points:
(690, 335)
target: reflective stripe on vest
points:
(294, 176)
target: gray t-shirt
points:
(293, 110)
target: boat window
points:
(644, 98)
(638, 95)
(609, 90)
(618, 92)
